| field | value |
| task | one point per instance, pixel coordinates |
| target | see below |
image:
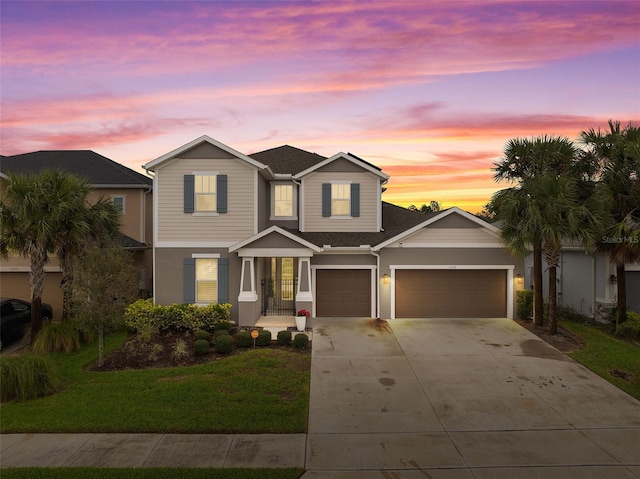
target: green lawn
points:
(147, 473)
(605, 354)
(259, 391)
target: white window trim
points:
(205, 213)
(294, 199)
(124, 202)
(340, 217)
(206, 256)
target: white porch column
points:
(248, 281)
(304, 280)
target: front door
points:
(279, 288)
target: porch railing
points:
(278, 297)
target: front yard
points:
(262, 390)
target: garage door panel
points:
(343, 293)
(450, 293)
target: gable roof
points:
(277, 230)
(352, 158)
(432, 218)
(152, 165)
(287, 159)
(95, 168)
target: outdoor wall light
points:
(613, 279)
(386, 279)
(519, 279)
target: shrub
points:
(156, 350)
(179, 350)
(222, 325)
(301, 341)
(524, 302)
(201, 347)
(630, 328)
(244, 339)
(146, 318)
(220, 332)
(264, 338)
(27, 377)
(200, 334)
(284, 338)
(224, 344)
(57, 337)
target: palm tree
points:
(523, 160)
(618, 154)
(42, 214)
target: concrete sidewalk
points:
(153, 450)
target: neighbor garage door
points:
(434, 293)
(343, 292)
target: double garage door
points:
(436, 293)
(343, 293)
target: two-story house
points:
(130, 191)
(286, 229)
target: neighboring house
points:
(285, 229)
(130, 191)
(587, 282)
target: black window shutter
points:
(326, 199)
(189, 193)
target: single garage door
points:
(436, 293)
(343, 293)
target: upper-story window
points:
(341, 199)
(283, 204)
(206, 193)
(119, 203)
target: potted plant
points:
(301, 319)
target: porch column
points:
(303, 294)
(248, 281)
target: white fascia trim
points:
(255, 202)
(442, 215)
(452, 266)
(274, 252)
(449, 245)
(27, 269)
(193, 244)
(343, 266)
(152, 165)
(346, 156)
(275, 229)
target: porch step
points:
(275, 324)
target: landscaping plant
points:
(284, 338)
(301, 341)
(201, 347)
(264, 338)
(243, 339)
(27, 377)
(224, 344)
(56, 337)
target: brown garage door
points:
(434, 293)
(343, 292)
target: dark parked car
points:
(15, 315)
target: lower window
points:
(206, 280)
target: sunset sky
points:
(428, 91)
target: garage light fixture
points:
(386, 279)
(519, 279)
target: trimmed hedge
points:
(201, 347)
(524, 302)
(284, 338)
(145, 317)
(244, 339)
(301, 341)
(264, 338)
(224, 344)
(27, 377)
(220, 332)
(200, 334)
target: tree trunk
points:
(553, 305)
(36, 283)
(538, 302)
(621, 317)
(101, 346)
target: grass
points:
(147, 473)
(608, 357)
(259, 391)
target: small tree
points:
(102, 287)
(432, 207)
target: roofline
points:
(275, 229)
(433, 219)
(153, 164)
(348, 157)
(123, 186)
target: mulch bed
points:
(158, 352)
(564, 341)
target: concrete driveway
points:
(459, 398)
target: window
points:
(283, 200)
(118, 202)
(206, 280)
(206, 193)
(340, 199)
